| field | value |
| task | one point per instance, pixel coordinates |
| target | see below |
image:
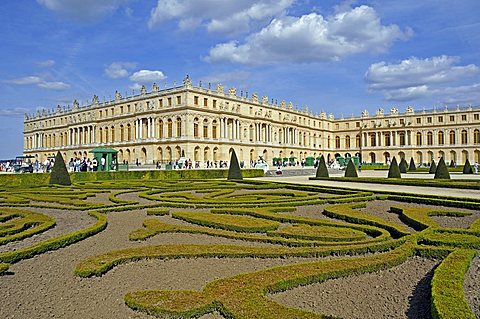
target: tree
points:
(394, 170)
(351, 171)
(433, 167)
(467, 168)
(403, 165)
(59, 174)
(322, 170)
(412, 166)
(234, 171)
(442, 170)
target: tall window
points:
(452, 137)
(401, 136)
(112, 135)
(373, 139)
(170, 128)
(160, 129)
(387, 139)
(347, 141)
(214, 129)
(464, 137)
(195, 127)
(429, 138)
(129, 132)
(476, 136)
(441, 140)
(419, 138)
(205, 128)
(357, 141)
(122, 133)
(178, 124)
(337, 141)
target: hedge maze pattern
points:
(259, 212)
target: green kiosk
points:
(109, 156)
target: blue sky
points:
(336, 56)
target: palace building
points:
(204, 124)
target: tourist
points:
(102, 163)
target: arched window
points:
(357, 141)
(419, 138)
(337, 141)
(214, 129)
(122, 133)
(452, 137)
(387, 139)
(347, 141)
(441, 140)
(429, 138)
(476, 136)
(170, 128)
(205, 128)
(464, 137)
(112, 135)
(160, 129)
(178, 124)
(373, 139)
(195, 127)
(129, 132)
(401, 137)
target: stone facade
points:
(204, 124)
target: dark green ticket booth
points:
(110, 159)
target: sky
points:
(341, 57)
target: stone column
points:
(149, 127)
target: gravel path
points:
(45, 286)
(67, 222)
(471, 286)
(399, 292)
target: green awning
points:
(103, 150)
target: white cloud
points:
(56, 85)
(25, 80)
(13, 112)
(312, 38)
(230, 17)
(46, 63)
(119, 69)
(135, 86)
(415, 78)
(39, 82)
(83, 10)
(147, 76)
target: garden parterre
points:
(251, 212)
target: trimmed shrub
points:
(351, 171)
(452, 164)
(448, 299)
(467, 168)
(442, 170)
(394, 170)
(234, 171)
(59, 173)
(412, 166)
(403, 166)
(433, 168)
(322, 170)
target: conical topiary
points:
(412, 166)
(351, 171)
(403, 165)
(394, 170)
(433, 167)
(234, 171)
(442, 170)
(467, 168)
(59, 174)
(452, 163)
(322, 170)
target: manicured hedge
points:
(19, 224)
(42, 179)
(57, 242)
(448, 299)
(245, 295)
